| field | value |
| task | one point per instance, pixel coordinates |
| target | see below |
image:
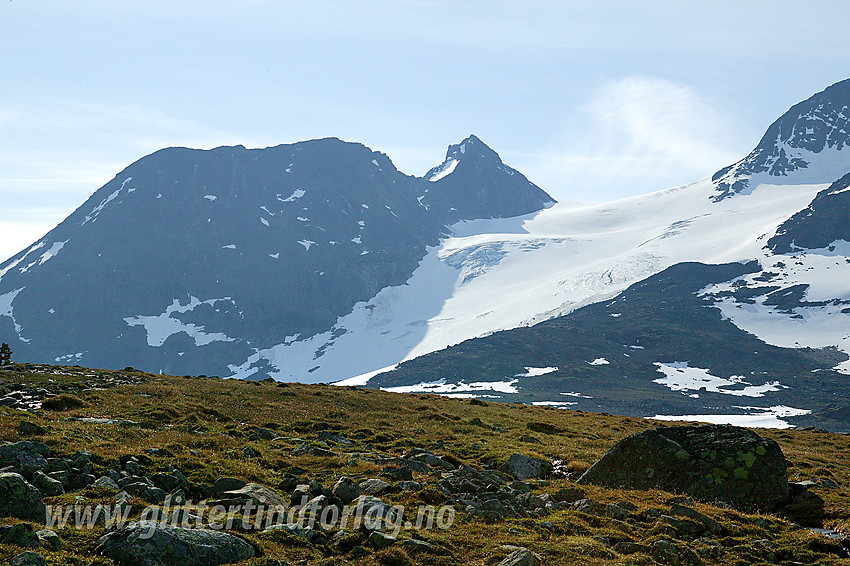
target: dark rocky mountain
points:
(491, 189)
(189, 260)
(819, 225)
(800, 147)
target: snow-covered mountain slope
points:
(498, 274)
(190, 261)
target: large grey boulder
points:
(148, 543)
(526, 467)
(18, 498)
(708, 462)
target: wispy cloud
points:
(638, 134)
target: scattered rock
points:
(169, 482)
(346, 490)
(25, 457)
(666, 552)
(526, 467)
(374, 486)
(259, 494)
(710, 524)
(628, 547)
(804, 508)
(333, 438)
(49, 539)
(102, 421)
(227, 484)
(591, 507)
(48, 486)
(708, 462)
(26, 428)
(263, 434)
(28, 558)
(569, 494)
(521, 557)
(148, 543)
(250, 452)
(18, 498)
(107, 483)
(160, 452)
(414, 546)
(21, 534)
(379, 540)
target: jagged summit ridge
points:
(801, 147)
(473, 182)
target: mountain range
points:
(727, 299)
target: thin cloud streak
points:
(640, 134)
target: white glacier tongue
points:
(504, 273)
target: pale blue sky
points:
(591, 100)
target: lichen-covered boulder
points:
(148, 543)
(708, 462)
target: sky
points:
(590, 100)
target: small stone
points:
(20, 499)
(250, 452)
(526, 467)
(379, 540)
(26, 428)
(48, 486)
(374, 486)
(160, 453)
(228, 484)
(107, 483)
(263, 434)
(49, 539)
(21, 534)
(346, 490)
(569, 494)
(806, 509)
(414, 546)
(521, 557)
(28, 558)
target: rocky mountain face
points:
(190, 260)
(802, 146)
(820, 225)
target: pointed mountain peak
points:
(801, 147)
(471, 149)
(473, 182)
